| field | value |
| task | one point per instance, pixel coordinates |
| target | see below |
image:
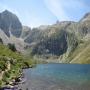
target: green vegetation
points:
(12, 47)
(81, 54)
(64, 42)
(11, 64)
(2, 63)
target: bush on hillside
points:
(12, 47)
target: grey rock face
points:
(25, 32)
(10, 22)
(86, 17)
(60, 38)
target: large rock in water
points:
(9, 22)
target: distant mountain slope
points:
(62, 39)
(81, 54)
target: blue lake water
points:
(58, 77)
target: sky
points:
(34, 13)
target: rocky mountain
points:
(86, 17)
(10, 22)
(11, 30)
(11, 48)
(4, 37)
(25, 32)
(61, 40)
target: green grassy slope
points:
(81, 54)
(11, 64)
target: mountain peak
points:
(10, 22)
(86, 17)
(6, 12)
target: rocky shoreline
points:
(16, 81)
(13, 84)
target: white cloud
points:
(72, 3)
(63, 8)
(56, 8)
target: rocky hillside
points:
(11, 30)
(62, 40)
(25, 32)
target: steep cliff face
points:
(61, 39)
(10, 22)
(81, 53)
(54, 45)
(54, 40)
